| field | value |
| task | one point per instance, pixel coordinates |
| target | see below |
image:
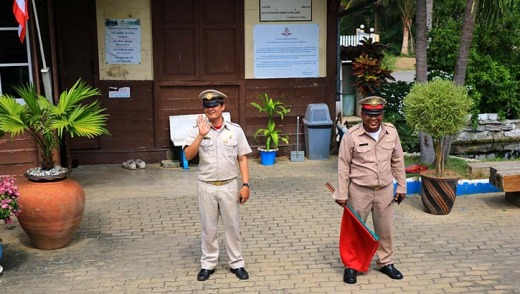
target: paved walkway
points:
(140, 234)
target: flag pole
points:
(46, 71)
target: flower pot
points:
(267, 157)
(438, 194)
(52, 211)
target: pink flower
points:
(9, 194)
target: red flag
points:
(357, 243)
(21, 13)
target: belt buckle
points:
(377, 188)
(218, 183)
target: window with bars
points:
(15, 60)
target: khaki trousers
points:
(378, 202)
(214, 201)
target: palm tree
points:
(421, 62)
(407, 10)
(47, 123)
(488, 12)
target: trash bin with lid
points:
(318, 130)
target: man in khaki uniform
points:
(220, 145)
(370, 157)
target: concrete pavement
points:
(141, 234)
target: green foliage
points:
(493, 72)
(494, 84)
(272, 108)
(438, 108)
(394, 94)
(443, 48)
(47, 123)
(389, 61)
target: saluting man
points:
(220, 145)
(370, 157)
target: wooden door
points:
(198, 44)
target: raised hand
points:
(203, 124)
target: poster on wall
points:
(286, 51)
(123, 41)
(286, 10)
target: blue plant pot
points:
(0, 251)
(267, 157)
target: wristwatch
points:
(246, 185)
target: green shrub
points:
(438, 108)
(495, 85)
(394, 94)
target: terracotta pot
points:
(438, 194)
(51, 211)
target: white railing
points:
(354, 40)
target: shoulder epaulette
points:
(354, 128)
(233, 124)
(390, 125)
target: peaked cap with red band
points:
(212, 98)
(372, 105)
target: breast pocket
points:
(363, 154)
(388, 149)
(206, 147)
(231, 148)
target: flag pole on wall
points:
(46, 71)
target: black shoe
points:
(349, 276)
(204, 274)
(241, 273)
(391, 271)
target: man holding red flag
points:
(370, 156)
(21, 13)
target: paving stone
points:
(141, 234)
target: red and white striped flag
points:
(21, 13)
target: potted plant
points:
(9, 207)
(53, 204)
(271, 133)
(439, 108)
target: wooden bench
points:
(507, 179)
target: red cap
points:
(372, 105)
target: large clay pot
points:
(438, 194)
(51, 211)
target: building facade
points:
(150, 59)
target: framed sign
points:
(286, 10)
(286, 51)
(123, 41)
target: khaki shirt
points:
(219, 150)
(368, 163)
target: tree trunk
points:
(421, 41)
(421, 67)
(406, 36)
(429, 14)
(466, 37)
(378, 14)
